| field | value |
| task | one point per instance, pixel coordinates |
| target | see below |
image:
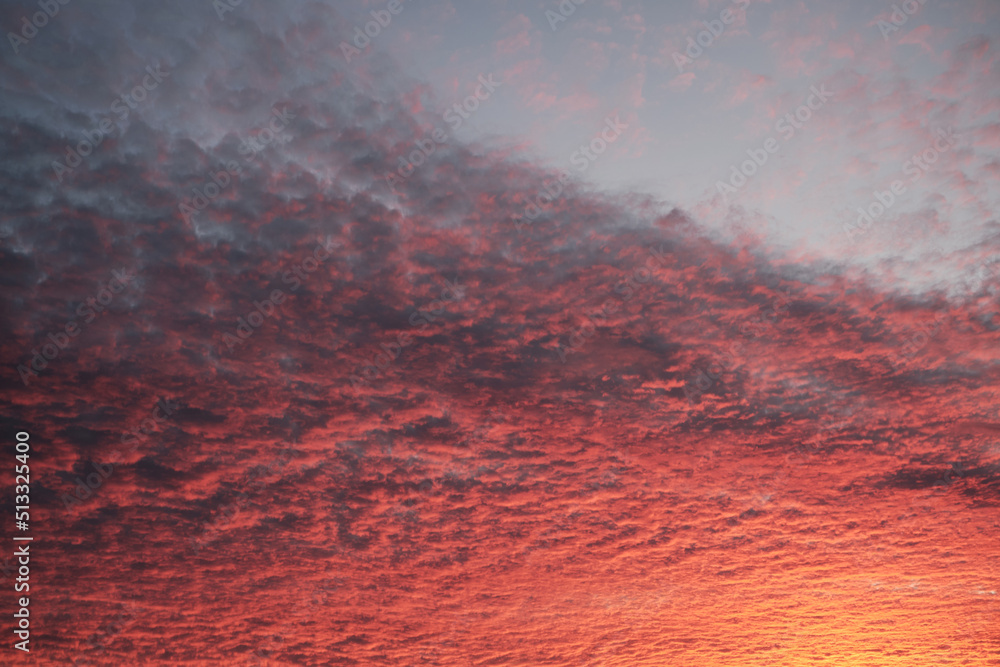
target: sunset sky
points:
(509, 333)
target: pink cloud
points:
(681, 82)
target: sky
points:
(509, 333)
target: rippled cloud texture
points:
(306, 384)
